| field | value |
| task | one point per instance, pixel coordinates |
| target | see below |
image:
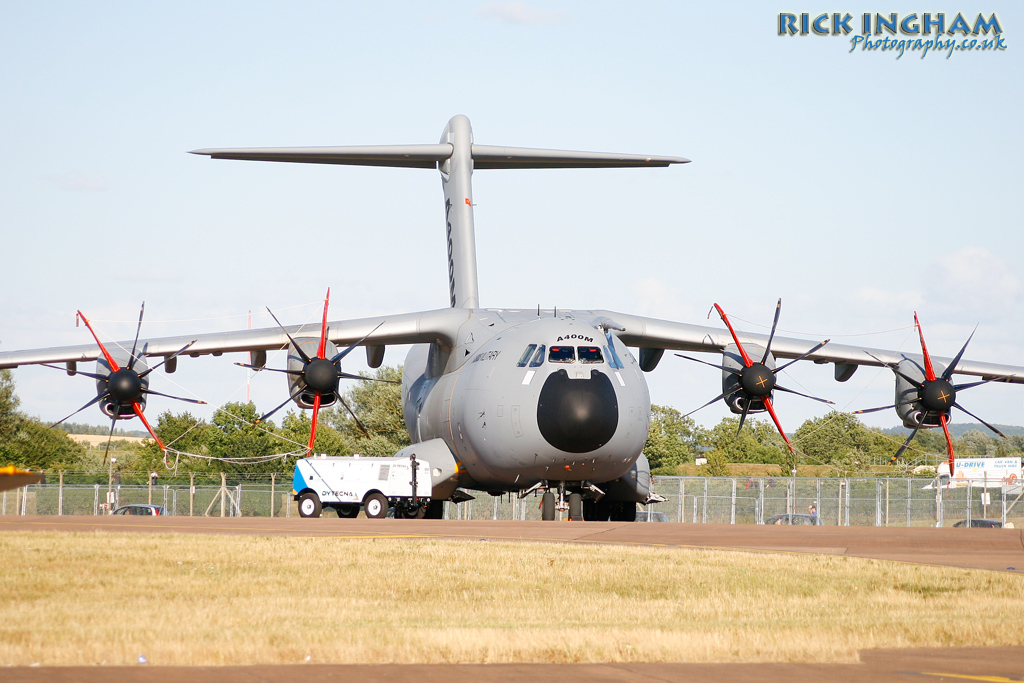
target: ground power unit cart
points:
(375, 484)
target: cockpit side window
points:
(590, 354)
(562, 354)
(538, 358)
(525, 358)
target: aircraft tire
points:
(309, 505)
(575, 507)
(547, 507)
(376, 505)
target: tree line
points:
(837, 441)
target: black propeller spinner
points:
(125, 387)
(756, 379)
(936, 394)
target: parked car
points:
(983, 523)
(645, 516)
(141, 509)
(791, 518)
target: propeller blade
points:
(358, 423)
(775, 419)
(743, 417)
(135, 344)
(971, 385)
(91, 375)
(169, 358)
(302, 354)
(768, 346)
(312, 427)
(90, 403)
(813, 398)
(290, 398)
(896, 369)
(929, 370)
(727, 394)
(110, 436)
(176, 398)
(344, 353)
(698, 360)
(743, 352)
(896, 456)
(952, 366)
(322, 349)
(257, 368)
(949, 441)
(980, 420)
(106, 354)
(872, 410)
(138, 411)
(797, 360)
(346, 375)
(875, 410)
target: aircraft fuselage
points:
(526, 398)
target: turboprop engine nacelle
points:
(731, 382)
(908, 397)
(125, 386)
(318, 373)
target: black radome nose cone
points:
(577, 415)
(321, 375)
(124, 385)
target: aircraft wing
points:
(408, 328)
(652, 333)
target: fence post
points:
(60, 495)
(273, 498)
(732, 511)
(238, 501)
(682, 499)
(847, 502)
(191, 492)
(96, 500)
(910, 499)
(878, 502)
(223, 493)
(704, 513)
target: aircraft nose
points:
(577, 415)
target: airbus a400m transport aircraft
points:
(516, 400)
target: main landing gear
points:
(578, 509)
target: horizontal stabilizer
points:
(406, 156)
(485, 156)
(428, 156)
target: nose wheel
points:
(573, 504)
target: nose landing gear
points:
(573, 504)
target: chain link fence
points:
(688, 500)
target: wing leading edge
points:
(439, 326)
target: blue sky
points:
(856, 186)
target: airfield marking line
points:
(995, 679)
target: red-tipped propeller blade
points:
(138, 411)
(775, 419)
(929, 370)
(321, 351)
(743, 352)
(949, 442)
(312, 427)
(106, 354)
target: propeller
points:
(756, 379)
(124, 386)
(936, 394)
(319, 374)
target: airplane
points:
(518, 400)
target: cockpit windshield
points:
(590, 354)
(525, 358)
(562, 354)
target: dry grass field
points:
(95, 598)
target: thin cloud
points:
(974, 281)
(521, 13)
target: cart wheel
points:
(376, 506)
(309, 505)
